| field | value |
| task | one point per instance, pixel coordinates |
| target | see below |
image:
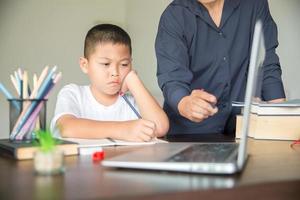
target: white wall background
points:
(35, 33)
(287, 15)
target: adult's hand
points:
(277, 100)
(198, 106)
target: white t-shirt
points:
(79, 101)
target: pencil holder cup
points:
(26, 116)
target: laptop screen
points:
(253, 90)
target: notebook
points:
(208, 158)
(82, 143)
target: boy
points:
(98, 110)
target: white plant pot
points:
(49, 162)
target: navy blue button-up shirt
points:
(193, 53)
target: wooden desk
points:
(273, 168)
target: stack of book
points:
(278, 121)
(24, 150)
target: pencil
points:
(15, 84)
(39, 82)
(37, 123)
(130, 105)
(34, 80)
(8, 95)
(20, 74)
(25, 85)
(18, 82)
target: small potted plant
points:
(48, 159)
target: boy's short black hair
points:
(105, 33)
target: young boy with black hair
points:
(98, 110)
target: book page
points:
(109, 142)
(91, 142)
(125, 143)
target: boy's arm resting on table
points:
(149, 108)
(133, 130)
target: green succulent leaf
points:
(46, 140)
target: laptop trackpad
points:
(153, 153)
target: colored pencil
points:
(26, 112)
(36, 111)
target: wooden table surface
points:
(273, 168)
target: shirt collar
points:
(198, 9)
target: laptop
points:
(207, 158)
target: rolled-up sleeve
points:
(272, 87)
(174, 76)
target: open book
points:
(109, 142)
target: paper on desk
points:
(110, 142)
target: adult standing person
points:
(203, 52)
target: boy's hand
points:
(140, 131)
(129, 77)
(198, 106)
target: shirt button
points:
(224, 58)
(220, 33)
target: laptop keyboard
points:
(205, 153)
